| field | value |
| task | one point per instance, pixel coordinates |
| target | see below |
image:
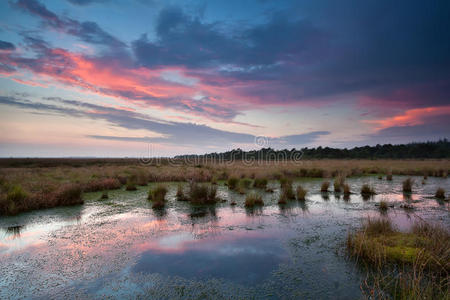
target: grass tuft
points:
(301, 193)
(324, 187)
(367, 190)
(253, 199)
(407, 185)
(440, 193)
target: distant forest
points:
(439, 149)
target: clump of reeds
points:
(202, 193)
(180, 195)
(245, 183)
(232, 183)
(383, 206)
(104, 195)
(141, 178)
(347, 190)
(301, 193)
(440, 193)
(286, 188)
(338, 184)
(324, 187)
(253, 199)
(157, 195)
(260, 183)
(131, 184)
(389, 176)
(367, 190)
(407, 185)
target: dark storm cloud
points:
(184, 40)
(6, 46)
(172, 132)
(85, 2)
(89, 32)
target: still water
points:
(121, 248)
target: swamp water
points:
(122, 248)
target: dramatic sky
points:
(124, 77)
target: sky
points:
(114, 78)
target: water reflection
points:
(325, 196)
(221, 257)
(14, 231)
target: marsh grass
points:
(383, 206)
(131, 184)
(367, 190)
(338, 184)
(301, 193)
(180, 195)
(347, 190)
(407, 185)
(253, 199)
(324, 187)
(157, 196)
(233, 183)
(286, 189)
(202, 193)
(440, 193)
(402, 265)
(102, 184)
(260, 183)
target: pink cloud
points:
(411, 117)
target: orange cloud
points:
(411, 117)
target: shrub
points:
(253, 199)
(407, 185)
(158, 193)
(324, 187)
(260, 183)
(367, 190)
(301, 193)
(232, 183)
(440, 193)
